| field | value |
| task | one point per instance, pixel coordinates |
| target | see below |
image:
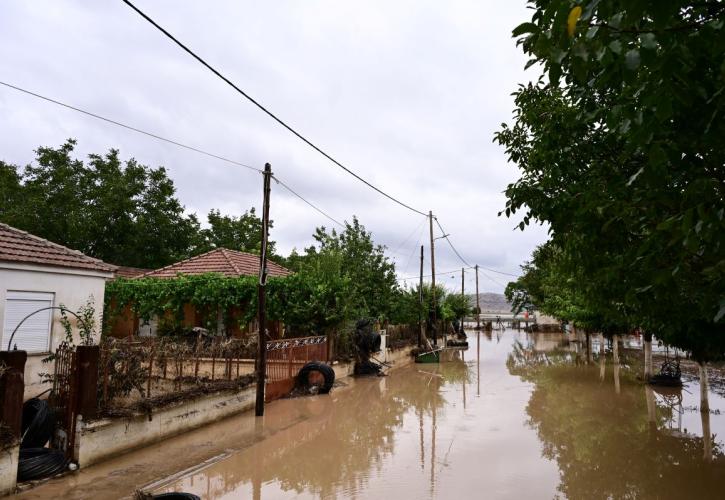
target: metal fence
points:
(143, 372)
(286, 357)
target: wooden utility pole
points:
(262, 352)
(433, 278)
(478, 303)
(463, 292)
(420, 298)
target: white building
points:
(36, 274)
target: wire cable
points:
(129, 127)
(307, 201)
(265, 110)
(438, 273)
(499, 272)
(446, 236)
(169, 141)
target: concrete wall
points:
(8, 469)
(70, 287)
(102, 439)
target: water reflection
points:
(544, 423)
(628, 442)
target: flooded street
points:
(514, 416)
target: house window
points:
(34, 334)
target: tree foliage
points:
(620, 154)
(121, 212)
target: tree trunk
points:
(705, 414)
(651, 407)
(615, 348)
(615, 352)
(589, 346)
(602, 358)
(647, 356)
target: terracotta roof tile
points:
(22, 247)
(129, 272)
(230, 263)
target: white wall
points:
(70, 287)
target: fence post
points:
(87, 357)
(12, 389)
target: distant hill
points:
(491, 302)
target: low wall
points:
(101, 439)
(8, 469)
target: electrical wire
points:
(237, 163)
(500, 272)
(265, 110)
(438, 273)
(129, 127)
(170, 141)
(446, 236)
(307, 201)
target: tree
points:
(622, 160)
(124, 213)
(372, 281)
(242, 233)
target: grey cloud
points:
(407, 93)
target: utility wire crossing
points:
(170, 141)
(265, 110)
(286, 126)
(233, 162)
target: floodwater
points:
(515, 416)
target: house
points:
(36, 274)
(223, 261)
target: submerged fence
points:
(137, 374)
(286, 357)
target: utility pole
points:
(433, 278)
(478, 304)
(262, 352)
(463, 293)
(420, 298)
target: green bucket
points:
(429, 357)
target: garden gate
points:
(285, 357)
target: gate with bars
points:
(75, 385)
(285, 358)
(63, 397)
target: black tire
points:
(38, 423)
(325, 370)
(38, 463)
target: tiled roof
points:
(22, 247)
(230, 263)
(129, 272)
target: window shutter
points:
(34, 334)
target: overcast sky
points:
(408, 94)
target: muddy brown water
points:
(515, 416)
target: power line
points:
(129, 127)
(499, 272)
(490, 278)
(211, 155)
(265, 110)
(446, 236)
(438, 273)
(307, 201)
(170, 141)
